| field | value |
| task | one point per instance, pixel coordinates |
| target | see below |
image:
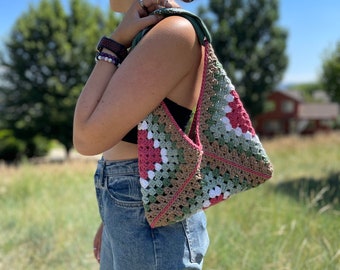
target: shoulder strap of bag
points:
(204, 37)
(200, 28)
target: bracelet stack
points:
(118, 49)
(101, 56)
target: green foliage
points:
(250, 45)
(49, 214)
(37, 146)
(11, 149)
(330, 74)
(307, 90)
(49, 56)
(307, 87)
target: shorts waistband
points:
(119, 167)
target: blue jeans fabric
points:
(128, 242)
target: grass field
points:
(49, 214)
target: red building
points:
(289, 114)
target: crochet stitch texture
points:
(181, 174)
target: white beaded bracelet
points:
(101, 56)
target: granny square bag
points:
(181, 174)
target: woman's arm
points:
(115, 100)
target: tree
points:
(330, 77)
(49, 56)
(250, 45)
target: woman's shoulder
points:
(174, 30)
(176, 22)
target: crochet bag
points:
(182, 174)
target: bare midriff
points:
(122, 151)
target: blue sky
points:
(313, 25)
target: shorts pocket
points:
(124, 191)
(197, 236)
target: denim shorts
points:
(128, 242)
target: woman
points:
(166, 65)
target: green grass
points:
(49, 214)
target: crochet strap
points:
(204, 37)
(205, 40)
(199, 26)
(194, 129)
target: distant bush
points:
(38, 146)
(11, 148)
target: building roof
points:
(318, 111)
(295, 95)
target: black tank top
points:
(180, 114)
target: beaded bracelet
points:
(113, 46)
(101, 56)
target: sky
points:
(313, 27)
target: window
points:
(287, 106)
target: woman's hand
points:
(97, 242)
(137, 18)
